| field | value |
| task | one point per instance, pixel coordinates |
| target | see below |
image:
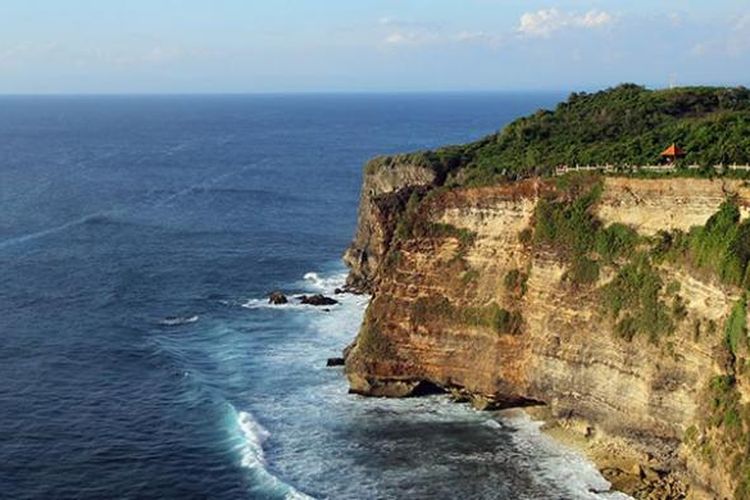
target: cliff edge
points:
(612, 306)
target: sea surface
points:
(138, 359)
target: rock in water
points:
(335, 362)
(277, 298)
(318, 300)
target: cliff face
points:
(387, 185)
(470, 302)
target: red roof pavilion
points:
(672, 153)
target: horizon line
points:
(332, 92)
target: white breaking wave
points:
(555, 467)
(293, 304)
(328, 284)
(178, 320)
(254, 435)
(558, 464)
(252, 457)
(311, 282)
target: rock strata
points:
(442, 305)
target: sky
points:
(239, 46)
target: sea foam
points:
(252, 435)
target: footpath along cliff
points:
(613, 307)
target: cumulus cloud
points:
(543, 23)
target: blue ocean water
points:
(138, 237)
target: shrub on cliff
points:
(567, 224)
(721, 246)
(633, 300)
(616, 241)
(736, 326)
(440, 310)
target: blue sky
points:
(185, 46)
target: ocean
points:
(139, 236)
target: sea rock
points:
(318, 300)
(277, 298)
(335, 362)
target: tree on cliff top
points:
(624, 125)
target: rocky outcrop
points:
(498, 320)
(388, 183)
(277, 298)
(317, 300)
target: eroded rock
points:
(277, 298)
(318, 300)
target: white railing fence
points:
(636, 168)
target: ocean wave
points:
(252, 435)
(312, 282)
(179, 320)
(294, 306)
(557, 464)
(327, 284)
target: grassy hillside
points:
(625, 125)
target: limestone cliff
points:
(471, 296)
(388, 182)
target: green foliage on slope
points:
(736, 327)
(633, 300)
(721, 246)
(624, 125)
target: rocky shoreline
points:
(446, 299)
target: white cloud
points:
(410, 38)
(543, 23)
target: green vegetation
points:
(615, 242)
(408, 218)
(723, 433)
(723, 244)
(469, 276)
(515, 282)
(567, 224)
(736, 326)
(724, 401)
(492, 316)
(582, 271)
(499, 320)
(721, 247)
(414, 223)
(624, 125)
(373, 343)
(632, 299)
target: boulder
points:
(318, 300)
(335, 362)
(277, 298)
